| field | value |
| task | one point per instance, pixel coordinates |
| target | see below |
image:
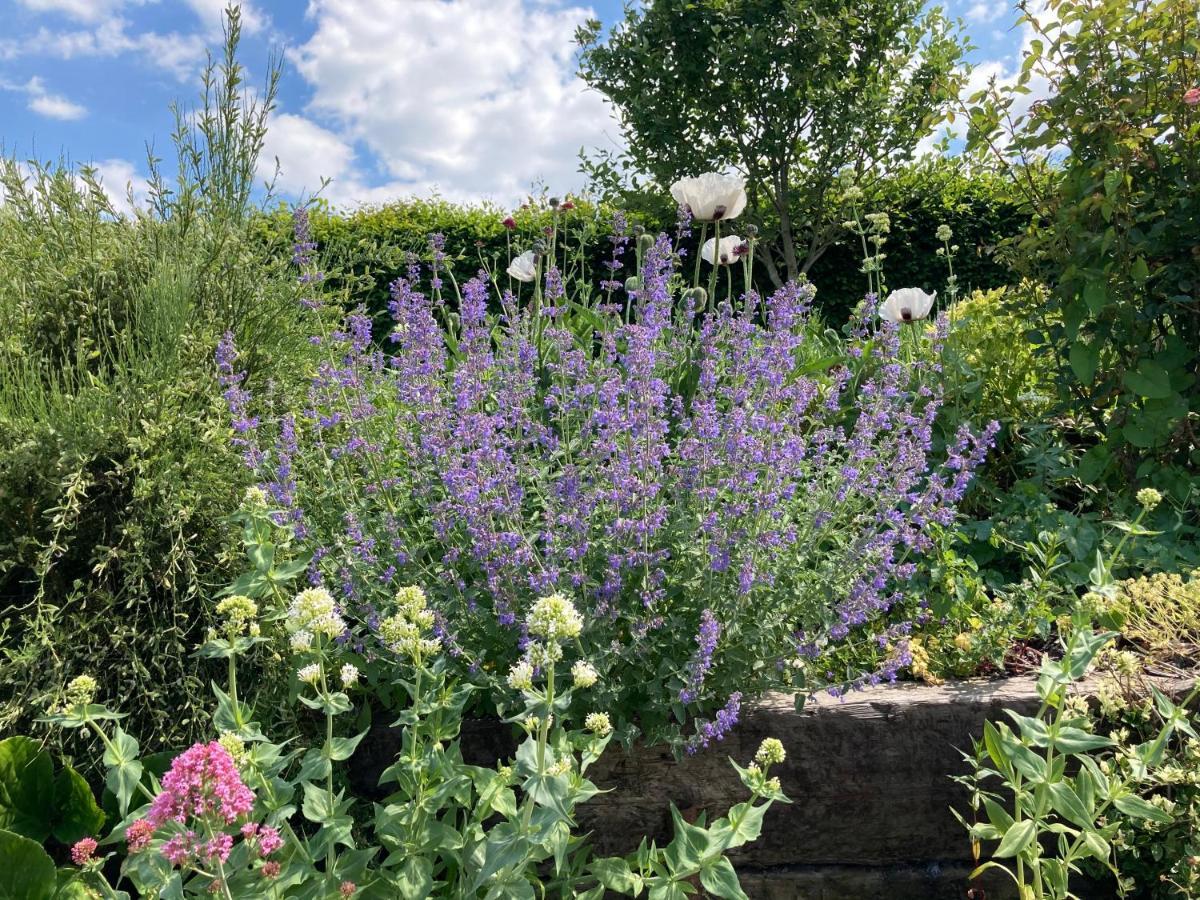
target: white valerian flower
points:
(711, 196)
(310, 674)
(524, 267)
(598, 723)
(584, 674)
(554, 618)
(724, 254)
(349, 675)
(520, 676)
(907, 305)
(301, 641)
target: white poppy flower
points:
(524, 267)
(725, 254)
(711, 196)
(907, 305)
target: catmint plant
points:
(724, 500)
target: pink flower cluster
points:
(81, 852)
(203, 781)
(266, 837)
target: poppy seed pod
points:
(632, 283)
(645, 242)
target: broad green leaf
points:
(26, 788)
(1076, 740)
(616, 875)
(1016, 839)
(76, 814)
(1150, 380)
(720, 880)
(343, 748)
(1068, 805)
(26, 871)
(1140, 809)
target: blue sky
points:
(470, 99)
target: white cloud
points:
(44, 102)
(122, 182)
(212, 14)
(180, 54)
(984, 11)
(80, 10)
(306, 153)
(471, 98)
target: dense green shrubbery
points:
(370, 246)
(117, 470)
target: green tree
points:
(1114, 227)
(804, 98)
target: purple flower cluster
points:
(689, 476)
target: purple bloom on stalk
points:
(706, 643)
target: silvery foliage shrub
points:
(724, 497)
(252, 814)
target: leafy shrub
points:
(1114, 232)
(116, 472)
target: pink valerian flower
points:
(348, 888)
(270, 869)
(203, 781)
(138, 834)
(81, 853)
(219, 847)
(181, 848)
(268, 840)
(1192, 96)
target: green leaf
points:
(1016, 839)
(1076, 740)
(343, 748)
(1140, 809)
(1084, 360)
(26, 786)
(720, 880)
(76, 813)
(616, 875)
(1149, 380)
(1068, 805)
(1097, 846)
(1095, 295)
(26, 871)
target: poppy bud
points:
(553, 203)
(645, 242)
(752, 230)
(632, 283)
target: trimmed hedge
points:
(370, 246)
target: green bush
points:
(117, 470)
(371, 246)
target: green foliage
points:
(116, 470)
(975, 202)
(1114, 234)
(803, 98)
(36, 802)
(1045, 794)
(446, 829)
(366, 249)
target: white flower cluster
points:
(315, 611)
(404, 631)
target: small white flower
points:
(520, 676)
(524, 267)
(554, 618)
(584, 674)
(907, 305)
(349, 675)
(310, 674)
(711, 196)
(598, 723)
(301, 641)
(725, 254)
